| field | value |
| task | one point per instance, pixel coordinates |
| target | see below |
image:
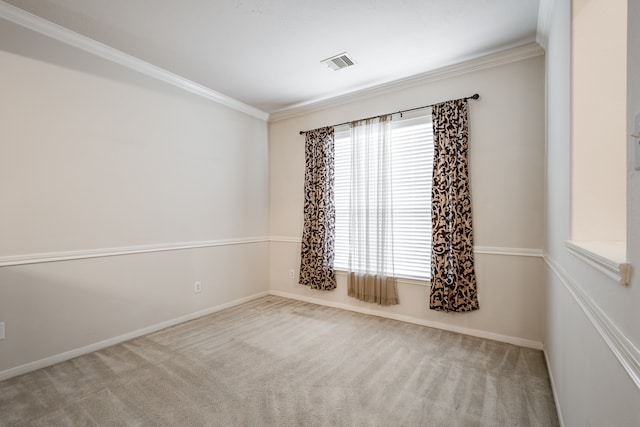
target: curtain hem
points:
(373, 288)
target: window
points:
(412, 166)
(599, 147)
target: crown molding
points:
(487, 61)
(71, 38)
(545, 14)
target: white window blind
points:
(412, 166)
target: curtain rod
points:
(474, 96)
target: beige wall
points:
(598, 120)
(91, 163)
(92, 157)
(507, 164)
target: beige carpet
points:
(279, 362)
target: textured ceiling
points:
(267, 53)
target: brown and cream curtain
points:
(318, 235)
(453, 279)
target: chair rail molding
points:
(484, 250)
(39, 258)
(621, 347)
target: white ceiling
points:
(267, 53)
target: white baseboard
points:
(52, 360)
(553, 388)
(61, 357)
(410, 319)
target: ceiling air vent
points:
(339, 62)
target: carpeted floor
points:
(280, 362)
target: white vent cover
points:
(339, 62)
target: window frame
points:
(402, 127)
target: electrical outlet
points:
(197, 287)
(1, 330)
(292, 273)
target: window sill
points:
(606, 257)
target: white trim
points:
(71, 38)
(285, 239)
(622, 348)
(6, 261)
(58, 358)
(11, 260)
(545, 15)
(495, 250)
(554, 390)
(618, 271)
(409, 319)
(505, 56)
(484, 250)
(415, 282)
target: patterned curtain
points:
(453, 279)
(318, 235)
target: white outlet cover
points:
(1, 330)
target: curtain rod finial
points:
(302, 132)
(475, 96)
